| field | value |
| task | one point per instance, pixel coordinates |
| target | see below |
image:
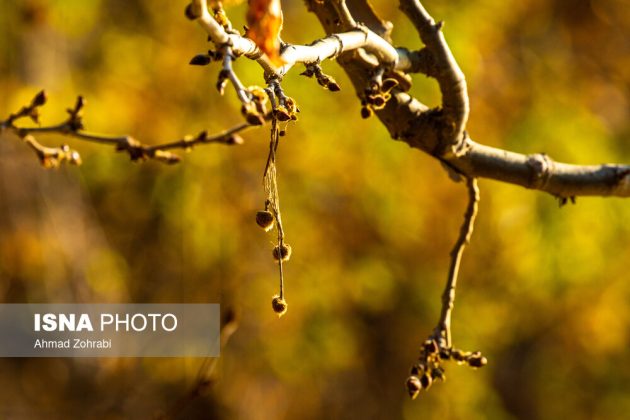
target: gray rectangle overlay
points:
(109, 330)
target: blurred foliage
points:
(543, 292)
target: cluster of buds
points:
(429, 367)
(286, 110)
(255, 109)
(324, 80)
(51, 157)
(376, 95)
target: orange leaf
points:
(264, 21)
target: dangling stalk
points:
(270, 183)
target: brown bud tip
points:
(477, 361)
(200, 60)
(265, 220)
(413, 386)
(426, 380)
(282, 253)
(334, 87)
(40, 99)
(234, 140)
(279, 305)
(417, 370)
(80, 103)
(366, 112)
(190, 14)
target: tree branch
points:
(446, 71)
(73, 127)
(421, 127)
(357, 37)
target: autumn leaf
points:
(264, 21)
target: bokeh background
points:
(544, 291)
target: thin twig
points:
(443, 330)
(73, 127)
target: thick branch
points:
(539, 172)
(446, 70)
(408, 120)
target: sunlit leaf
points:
(264, 20)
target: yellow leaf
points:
(264, 21)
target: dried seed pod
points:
(279, 305)
(282, 253)
(413, 386)
(265, 220)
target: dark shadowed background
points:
(544, 290)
